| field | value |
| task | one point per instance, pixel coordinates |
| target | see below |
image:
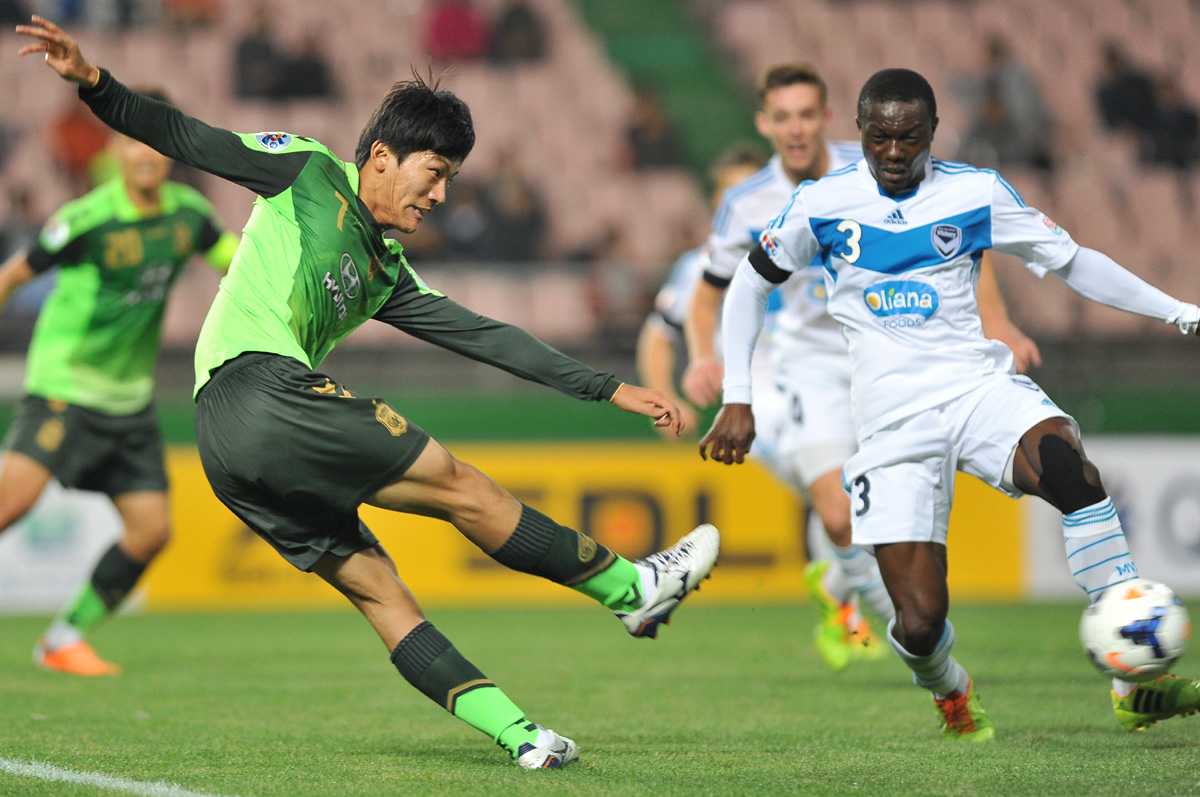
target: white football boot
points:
(669, 575)
(551, 751)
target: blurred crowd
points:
(501, 213)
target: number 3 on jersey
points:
(858, 496)
(853, 232)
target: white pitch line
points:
(35, 769)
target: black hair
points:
(896, 85)
(414, 117)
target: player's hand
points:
(730, 436)
(62, 53)
(643, 401)
(689, 419)
(702, 381)
(1026, 354)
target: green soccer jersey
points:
(97, 336)
(313, 264)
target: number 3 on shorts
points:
(864, 488)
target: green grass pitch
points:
(727, 701)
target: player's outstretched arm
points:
(702, 378)
(1096, 276)
(62, 52)
(997, 325)
(656, 367)
(731, 434)
(652, 404)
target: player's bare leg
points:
(433, 665)
(642, 594)
(22, 481)
(923, 637)
(145, 516)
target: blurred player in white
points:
(662, 330)
(805, 422)
(930, 394)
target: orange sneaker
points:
(78, 658)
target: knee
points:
(147, 541)
(837, 526)
(472, 494)
(1070, 479)
(919, 628)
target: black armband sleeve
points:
(187, 139)
(715, 281)
(766, 268)
(443, 322)
(40, 260)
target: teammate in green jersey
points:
(86, 418)
(294, 453)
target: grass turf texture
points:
(727, 701)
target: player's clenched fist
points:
(731, 434)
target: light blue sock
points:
(938, 672)
(1097, 551)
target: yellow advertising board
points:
(634, 498)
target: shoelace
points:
(666, 557)
(957, 715)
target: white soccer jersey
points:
(901, 272)
(803, 330)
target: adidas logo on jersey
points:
(895, 217)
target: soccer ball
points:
(1136, 630)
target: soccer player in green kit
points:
(294, 453)
(87, 418)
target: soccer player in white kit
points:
(805, 420)
(930, 394)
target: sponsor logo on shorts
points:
(51, 434)
(393, 421)
(350, 280)
(335, 291)
(1020, 380)
(947, 239)
(901, 303)
(274, 142)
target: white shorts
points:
(813, 422)
(901, 481)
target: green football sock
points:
(428, 661)
(112, 580)
(86, 611)
(619, 587)
(544, 548)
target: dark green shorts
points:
(88, 450)
(293, 453)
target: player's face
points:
(896, 137)
(793, 119)
(143, 168)
(413, 187)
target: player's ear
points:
(380, 154)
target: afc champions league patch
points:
(274, 142)
(769, 243)
(947, 239)
(55, 234)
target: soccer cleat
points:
(1165, 697)
(677, 571)
(862, 640)
(964, 718)
(550, 751)
(832, 635)
(77, 658)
